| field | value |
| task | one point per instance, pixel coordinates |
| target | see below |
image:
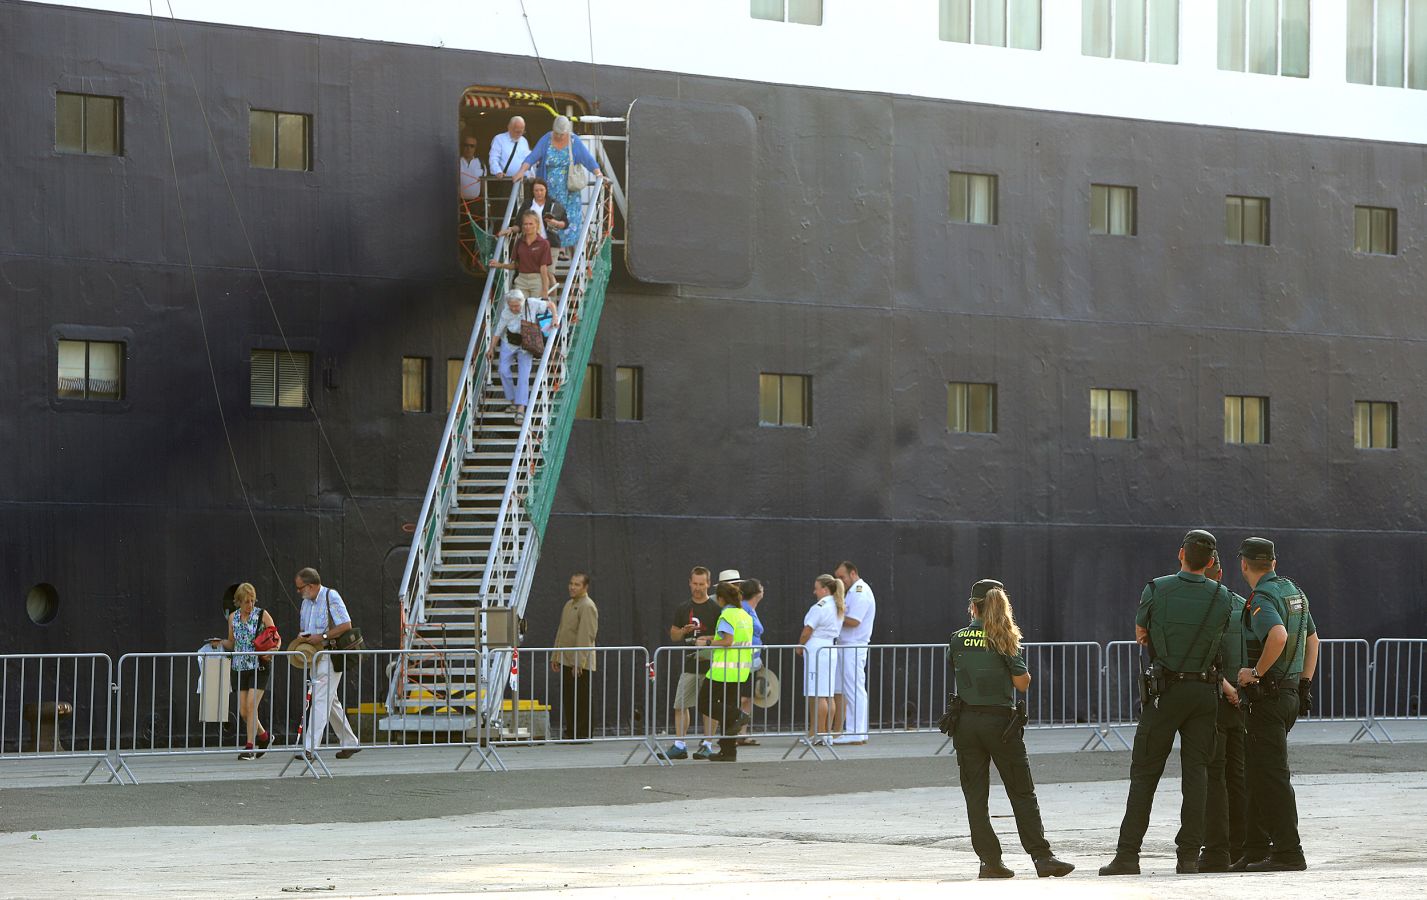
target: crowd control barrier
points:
(173, 704)
(58, 706)
(1120, 688)
(1399, 682)
(1342, 686)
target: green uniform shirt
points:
(1235, 652)
(983, 676)
(1277, 601)
(1173, 608)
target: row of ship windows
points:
(1386, 39)
(1114, 210)
(94, 370)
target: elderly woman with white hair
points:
(554, 156)
(505, 345)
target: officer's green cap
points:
(1257, 548)
(980, 589)
(1200, 538)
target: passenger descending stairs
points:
(477, 541)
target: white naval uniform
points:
(819, 661)
(862, 606)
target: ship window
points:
(90, 370)
(1375, 230)
(86, 123)
(1143, 30)
(971, 408)
(279, 378)
(279, 140)
(629, 393)
(1387, 42)
(1374, 425)
(1112, 209)
(999, 23)
(1112, 414)
(415, 384)
(785, 400)
(591, 403)
(1269, 37)
(973, 198)
(1245, 420)
(453, 379)
(798, 12)
(42, 603)
(1246, 220)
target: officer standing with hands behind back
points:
(1181, 620)
(1283, 650)
(1226, 813)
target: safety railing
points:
(58, 706)
(1342, 686)
(178, 704)
(1399, 682)
(1120, 688)
(438, 706)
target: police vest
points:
(1187, 620)
(734, 663)
(1291, 604)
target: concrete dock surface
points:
(879, 823)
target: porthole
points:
(42, 603)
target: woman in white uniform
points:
(820, 629)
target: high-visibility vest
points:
(734, 663)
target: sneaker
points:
(704, 752)
(247, 754)
(676, 753)
(264, 740)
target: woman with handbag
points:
(530, 259)
(252, 673)
(549, 213)
(519, 337)
(558, 158)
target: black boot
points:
(727, 751)
(1122, 864)
(1213, 862)
(1188, 863)
(1050, 867)
(1242, 863)
(995, 870)
(1294, 863)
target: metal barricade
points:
(1120, 692)
(170, 704)
(58, 706)
(386, 699)
(1065, 688)
(1399, 680)
(1342, 686)
(901, 687)
(578, 695)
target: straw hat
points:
(305, 653)
(766, 688)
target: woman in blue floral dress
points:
(252, 675)
(552, 158)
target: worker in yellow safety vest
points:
(731, 668)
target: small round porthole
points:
(229, 604)
(42, 603)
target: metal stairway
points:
(477, 540)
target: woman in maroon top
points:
(530, 258)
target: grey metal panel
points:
(690, 176)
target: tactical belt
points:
(991, 710)
(1206, 677)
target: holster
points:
(1152, 684)
(947, 723)
(1019, 720)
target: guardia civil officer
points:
(1181, 620)
(1282, 645)
(988, 665)
(1226, 812)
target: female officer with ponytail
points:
(987, 663)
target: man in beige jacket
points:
(579, 625)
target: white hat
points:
(729, 575)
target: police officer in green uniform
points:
(1181, 620)
(988, 666)
(1227, 809)
(1283, 656)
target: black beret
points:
(1200, 538)
(1257, 548)
(980, 589)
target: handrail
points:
(426, 522)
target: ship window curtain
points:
(1163, 32)
(1268, 37)
(1360, 41)
(988, 22)
(996, 23)
(771, 10)
(1417, 44)
(1387, 42)
(1130, 29)
(799, 12)
(1263, 37)
(1095, 28)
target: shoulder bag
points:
(576, 178)
(532, 341)
(267, 639)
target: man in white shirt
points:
(509, 149)
(324, 616)
(851, 713)
(468, 208)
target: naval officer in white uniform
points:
(852, 707)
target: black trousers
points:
(978, 744)
(1186, 708)
(1226, 811)
(719, 700)
(577, 696)
(1273, 807)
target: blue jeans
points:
(517, 392)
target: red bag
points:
(266, 641)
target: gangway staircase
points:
(477, 540)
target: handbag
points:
(532, 341)
(266, 640)
(576, 178)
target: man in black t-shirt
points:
(698, 615)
